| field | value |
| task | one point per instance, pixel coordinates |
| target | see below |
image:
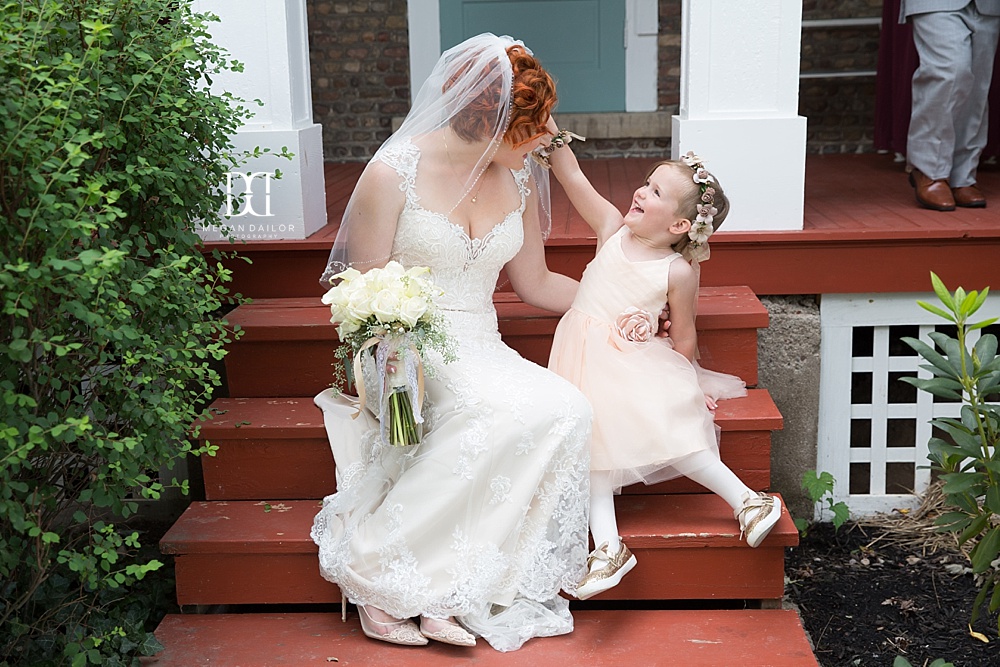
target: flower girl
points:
(652, 404)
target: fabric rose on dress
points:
(634, 326)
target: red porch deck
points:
(863, 231)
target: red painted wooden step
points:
(287, 345)
(697, 638)
(688, 547)
(277, 448)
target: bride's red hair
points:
(532, 99)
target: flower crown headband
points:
(702, 227)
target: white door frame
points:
(641, 65)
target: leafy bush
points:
(968, 461)
(111, 151)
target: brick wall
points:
(359, 52)
(840, 111)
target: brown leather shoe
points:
(932, 194)
(969, 196)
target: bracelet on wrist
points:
(560, 139)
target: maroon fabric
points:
(897, 61)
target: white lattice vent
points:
(874, 428)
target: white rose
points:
(336, 297)
(413, 287)
(347, 327)
(359, 306)
(338, 314)
(412, 309)
(385, 306)
(393, 270)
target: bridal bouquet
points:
(386, 320)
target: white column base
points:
(760, 163)
(292, 210)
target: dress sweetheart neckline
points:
(473, 241)
(460, 229)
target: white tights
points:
(706, 469)
(702, 467)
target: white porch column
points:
(270, 38)
(739, 106)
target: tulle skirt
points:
(648, 400)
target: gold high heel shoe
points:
(449, 633)
(403, 632)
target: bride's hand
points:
(710, 404)
(664, 322)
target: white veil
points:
(468, 94)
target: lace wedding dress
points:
(486, 518)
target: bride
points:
(479, 526)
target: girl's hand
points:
(710, 404)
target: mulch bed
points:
(888, 587)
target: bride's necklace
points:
(451, 163)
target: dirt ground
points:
(867, 594)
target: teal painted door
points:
(580, 42)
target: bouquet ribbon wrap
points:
(408, 380)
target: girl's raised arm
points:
(597, 211)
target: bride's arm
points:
(374, 213)
(530, 276)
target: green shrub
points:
(111, 151)
(968, 461)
